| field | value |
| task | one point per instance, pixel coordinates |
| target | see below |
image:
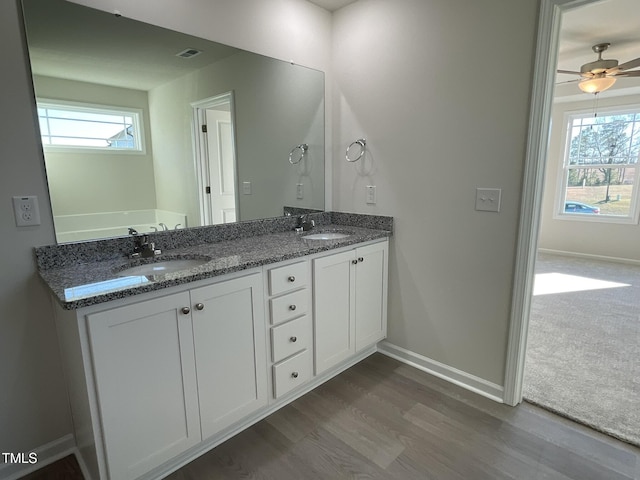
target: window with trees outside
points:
(76, 126)
(600, 167)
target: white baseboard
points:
(458, 377)
(589, 256)
(46, 454)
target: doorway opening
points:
(555, 320)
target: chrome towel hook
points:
(363, 144)
(303, 147)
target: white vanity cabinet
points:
(156, 380)
(290, 333)
(230, 352)
(167, 373)
(350, 303)
(145, 376)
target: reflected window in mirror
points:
(92, 127)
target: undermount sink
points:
(170, 265)
(326, 236)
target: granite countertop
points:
(90, 283)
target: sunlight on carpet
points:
(547, 283)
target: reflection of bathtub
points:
(74, 228)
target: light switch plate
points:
(488, 199)
(371, 194)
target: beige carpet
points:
(583, 350)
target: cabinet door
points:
(146, 383)
(229, 337)
(333, 309)
(371, 294)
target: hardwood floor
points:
(382, 419)
(66, 468)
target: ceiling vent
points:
(188, 53)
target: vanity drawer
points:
(290, 338)
(289, 306)
(288, 277)
(292, 373)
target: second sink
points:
(326, 236)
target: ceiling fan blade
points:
(635, 73)
(570, 72)
(569, 81)
(629, 65)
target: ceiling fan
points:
(599, 75)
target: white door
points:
(333, 309)
(216, 159)
(229, 337)
(222, 163)
(145, 376)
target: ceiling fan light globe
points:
(596, 85)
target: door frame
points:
(532, 189)
(201, 156)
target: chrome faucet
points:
(164, 227)
(304, 224)
(143, 249)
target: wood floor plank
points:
(383, 420)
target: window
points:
(600, 177)
(76, 126)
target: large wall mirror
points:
(152, 129)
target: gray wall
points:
(33, 401)
(424, 83)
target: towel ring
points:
(303, 147)
(363, 143)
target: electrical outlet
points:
(26, 211)
(299, 191)
(371, 194)
(246, 188)
(488, 199)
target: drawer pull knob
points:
(292, 279)
(199, 306)
(354, 261)
(292, 307)
(360, 259)
(186, 310)
(294, 339)
(294, 374)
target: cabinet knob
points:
(354, 261)
(294, 374)
(360, 259)
(199, 306)
(294, 339)
(292, 307)
(186, 310)
(291, 278)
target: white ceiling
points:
(332, 5)
(74, 42)
(612, 21)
